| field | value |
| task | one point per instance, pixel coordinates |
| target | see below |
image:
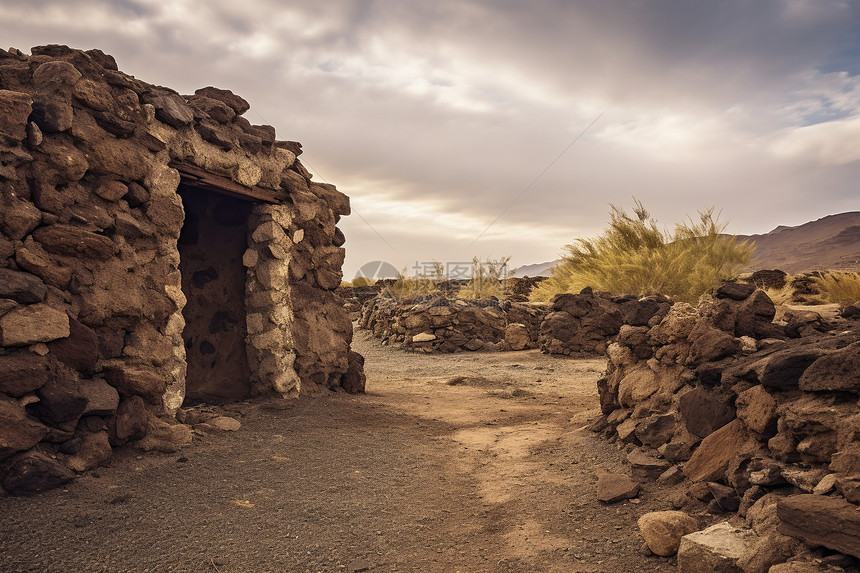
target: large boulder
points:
(31, 324)
(716, 549)
(33, 472)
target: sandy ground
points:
(450, 463)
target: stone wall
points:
(740, 407)
(435, 323)
(93, 168)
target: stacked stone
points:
(724, 398)
(587, 322)
(433, 323)
(91, 348)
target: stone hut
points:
(154, 248)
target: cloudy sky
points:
(507, 128)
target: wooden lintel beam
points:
(194, 176)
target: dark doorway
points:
(211, 245)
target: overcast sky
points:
(506, 128)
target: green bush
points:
(634, 257)
(839, 287)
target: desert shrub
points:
(781, 296)
(839, 287)
(633, 256)
(361, 281)
(425, 283)
(488, 279)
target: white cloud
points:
(830, 143)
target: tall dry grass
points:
(633, 256)
(488, 279)
(839, 287)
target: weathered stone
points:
(354, 380)
(783, 369)
(826, 485)
(102, 398)
(735, 291)
(517, 336)
(24, 372)
(18, 431)
(51, 115)
(31, 324)
(710, 461)
(703, 413)
(663, 530)
(164, 437)
(15, 108)
(56, 76)
(129, 423)
(803, 479)
(60, 400)
(423, 337)
(170, 108)
(724, 496)
(804, 567)
(716, 549)
(836, 372)
(21, 287)
(74, 241)
(709, 345)
(821, 520)
(616, 487)
(757, 408)
(94, 451)
(134, 380)
(656, 430)
(646, 466)
(225, 423)
(19, 218)
(111, 190)
(236, 103)
(767, 551)
(217, 110)
(79, 350)
(34, 472)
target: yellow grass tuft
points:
(634, 257)
(839, 287)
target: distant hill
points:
(830, 243)
(535, 270)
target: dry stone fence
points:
(154, 248)
(758, 417)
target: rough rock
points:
(757, 408)
(716, 549)
(616, 487)
(94, 451)
(23, 372)
(60, 400)
(354, 380)
(79, 350)
(836, 372)
(517, 336)
(225, 423)
(646, 466)
(102, 398)
(663, 530)
(767, 551)
(135, 380)
(703, 412)
(33, 472)
(21, 287)
(164, 437)
(129, 423)
(821, 520)
(783, 369)
(18, 431)
(710, 461)
(31, 324)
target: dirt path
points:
(469, 463)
